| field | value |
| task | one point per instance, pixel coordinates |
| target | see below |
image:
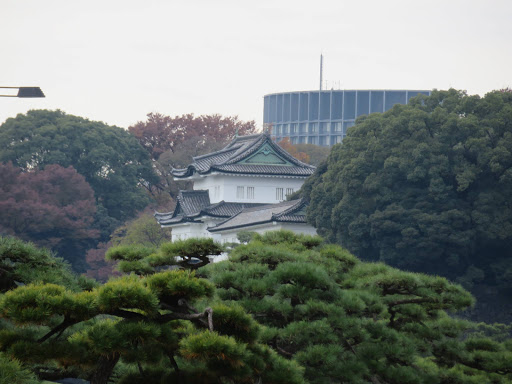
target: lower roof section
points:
(193, 205)
(287, 211)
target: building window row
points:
(315, 127)
(332, 105)
(316, 140)
(280, 193)
(240, 193)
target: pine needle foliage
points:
(155, 326)
(348, 321)
(142, 260)
(22, 262)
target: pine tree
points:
(353, 322)
(149, 327)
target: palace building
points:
(243, 186)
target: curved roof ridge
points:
(265, 138)
(226, 160)
(219, 152)
(245, 151)
(295, 207)
(245, 138)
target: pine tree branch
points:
(184, 303)
(58, 329)
(127, 314)
(208, 313)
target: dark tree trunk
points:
(104, 369)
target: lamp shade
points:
(30, 92)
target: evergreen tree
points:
(426, 187)
(112, 161)
(347, 321)
(157, 324)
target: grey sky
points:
(116, 61)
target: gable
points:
(266, 155)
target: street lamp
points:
(25, 92)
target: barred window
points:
(239, 192)
(250, 192)
(279, 193)
(289, 191)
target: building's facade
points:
(249, 179)
(323, 117)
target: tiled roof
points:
(224, 209)
(192, 205)
(189, 205)
(252, 169)
(287, 211)
(192, 202)
(226, 160)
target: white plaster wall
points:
(190, 230)
(264, 187)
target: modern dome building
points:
(323, 117)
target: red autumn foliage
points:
(162, 133)
(292, 150)
(53, 207)
(99, 268)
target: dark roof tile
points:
(240, 148)
(192, 205)
(282, 212)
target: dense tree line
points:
(111, 160)
(69, 183)
(426, 187)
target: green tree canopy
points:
(426, 187)
(111, 160)
(23, 263)
(156, 327)
(348, 321)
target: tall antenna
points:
(321, 70)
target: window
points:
(216, 192)
(336, 127)
(250, 192)
(289, 191)
(336, 139)
(313, 127)
(279, 194)
(239, 192)
(347, 125)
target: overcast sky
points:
(116, 61)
